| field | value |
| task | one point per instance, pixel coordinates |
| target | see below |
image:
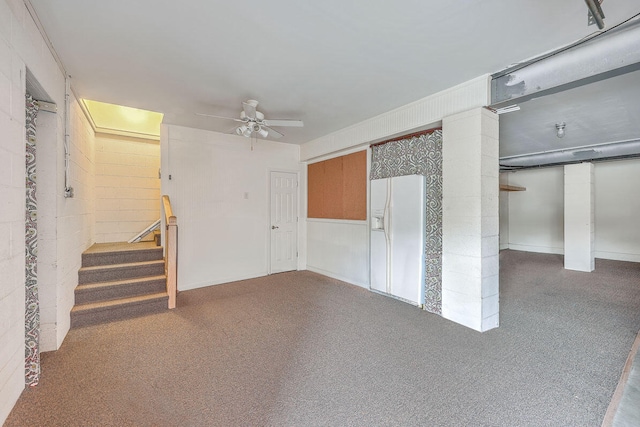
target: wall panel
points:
(337, 188)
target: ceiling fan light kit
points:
(253, 121)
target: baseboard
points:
(617, 256)
(198, 285)
(336, 276)
(537, 249)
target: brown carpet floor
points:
(299, 349)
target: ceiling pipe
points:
(574, 155)
(613, 52)
(550, 165)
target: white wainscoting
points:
(339, 249)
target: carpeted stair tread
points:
(117, 253)
(92, 292)
(123, 271)
(118, 309)
(116, 266)
(105, 305)
(98, 285)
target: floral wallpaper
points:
(32, 309)
(420, 155)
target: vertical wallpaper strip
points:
(420, 155)
(32, 309)
(433, 241)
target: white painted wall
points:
(67, 226)
(617, 199)
(223, 236)
(536, 216)
(127, 187)
(339, 249)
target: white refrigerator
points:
(398, 237)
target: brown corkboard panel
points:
(354, 184)
(315, 193)
(332, 189)
(337, 188)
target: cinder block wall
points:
(127, 187)
(65, 225)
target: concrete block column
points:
(470, 263)
(579, 217)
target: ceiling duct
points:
(613, 52)
(619, 149)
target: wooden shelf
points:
(504, 187)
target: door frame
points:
(270, 171)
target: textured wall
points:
(127, 187)
(12, 211)
(470, 222)
(20, 46)
(65, 226)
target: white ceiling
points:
(329, 63)
(603, 112)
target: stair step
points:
(110, 254)
(118, 309)
(116, 272)
(102, 291)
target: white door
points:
(284, 222)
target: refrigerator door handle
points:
(387, 234)
(385, 217)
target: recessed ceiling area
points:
(121, 120)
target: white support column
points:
(470, 264)
(579, 217)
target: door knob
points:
(273, 227)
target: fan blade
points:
(277, 122)
(249, 108)
(218, 117)
(272, 132)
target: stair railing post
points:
(172, 258)
(171, 251)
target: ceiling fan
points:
(253, 121)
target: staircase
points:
(119, 281)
